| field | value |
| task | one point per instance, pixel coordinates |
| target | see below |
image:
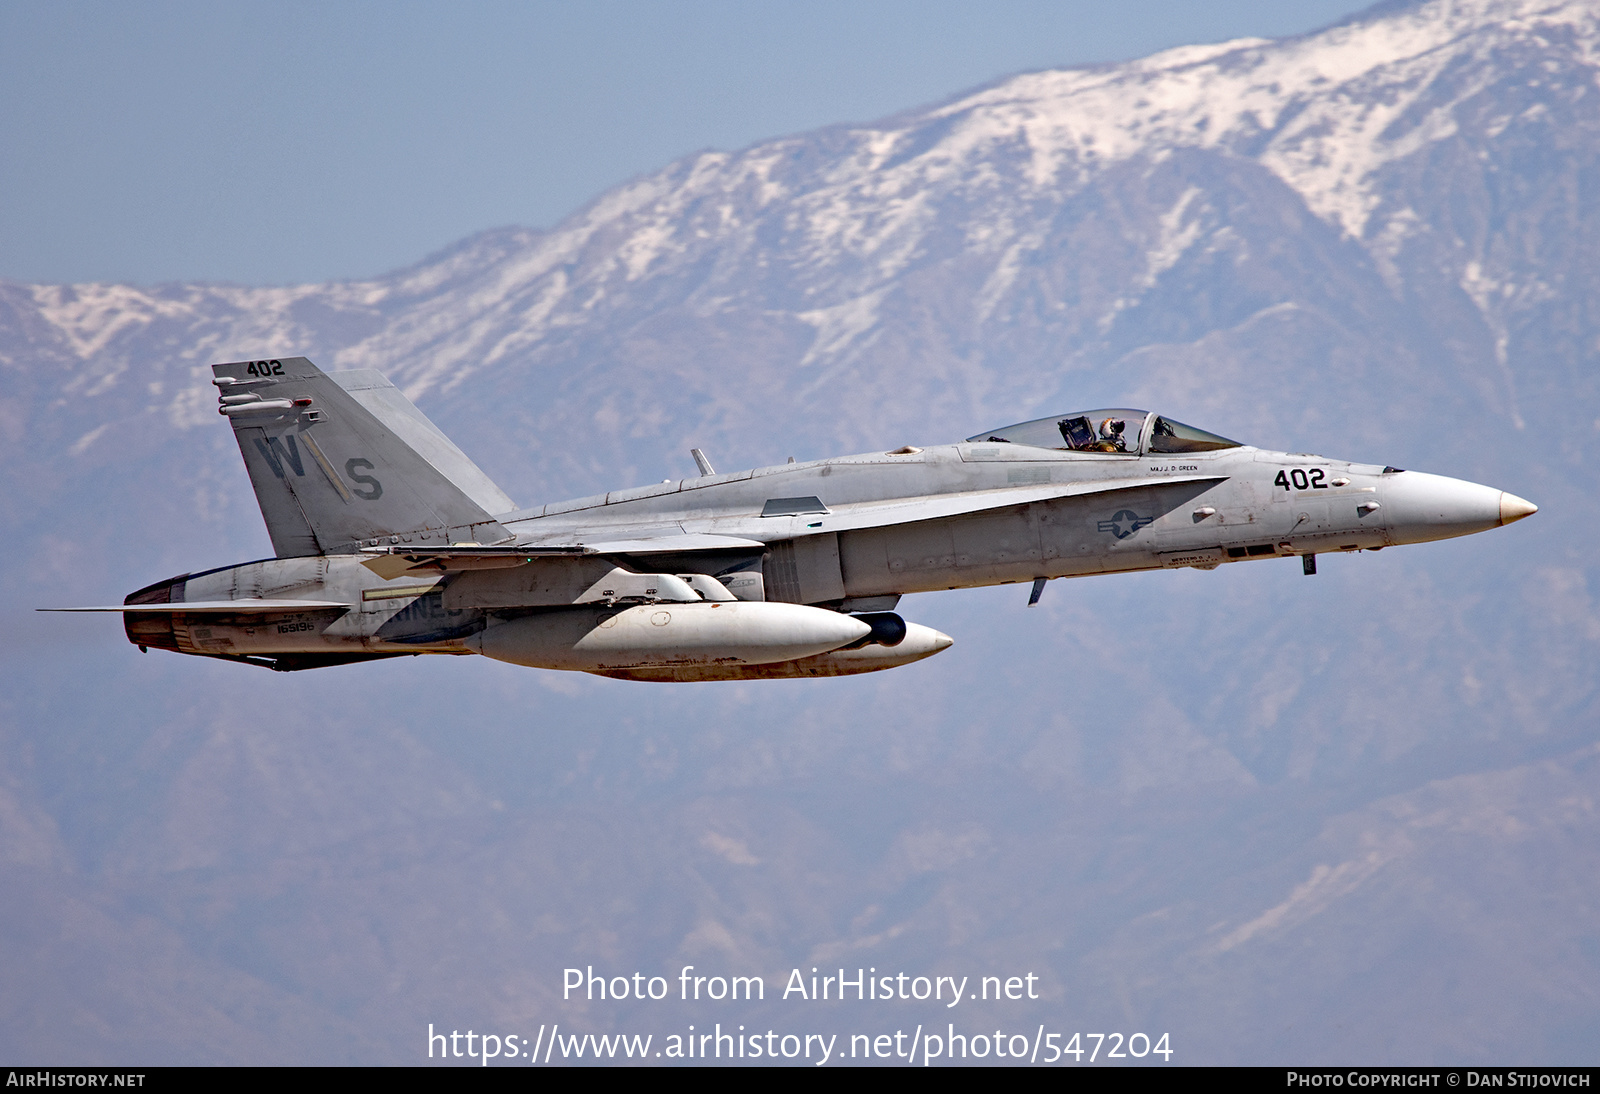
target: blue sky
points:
(284, 142)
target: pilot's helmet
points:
(1112, 427)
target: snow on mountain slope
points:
(1325, 112)
(819, 232)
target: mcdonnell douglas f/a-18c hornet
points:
(390, 541)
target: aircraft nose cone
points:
(1515, 508)
(1423, 507)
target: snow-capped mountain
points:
(1375, 241)
(1052, 221)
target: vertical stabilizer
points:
(332, 476)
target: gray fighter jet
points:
(391, 542)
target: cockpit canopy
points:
(1128, 432)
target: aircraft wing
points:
(256, 605)
(872, 514)
(672, 542)
(908, 510)
(747, 532)
(392, 561)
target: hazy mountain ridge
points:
(1285, 818)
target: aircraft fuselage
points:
(391, 541)
(1198, 510)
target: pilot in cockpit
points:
(1111, 436)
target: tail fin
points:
(338, 462)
